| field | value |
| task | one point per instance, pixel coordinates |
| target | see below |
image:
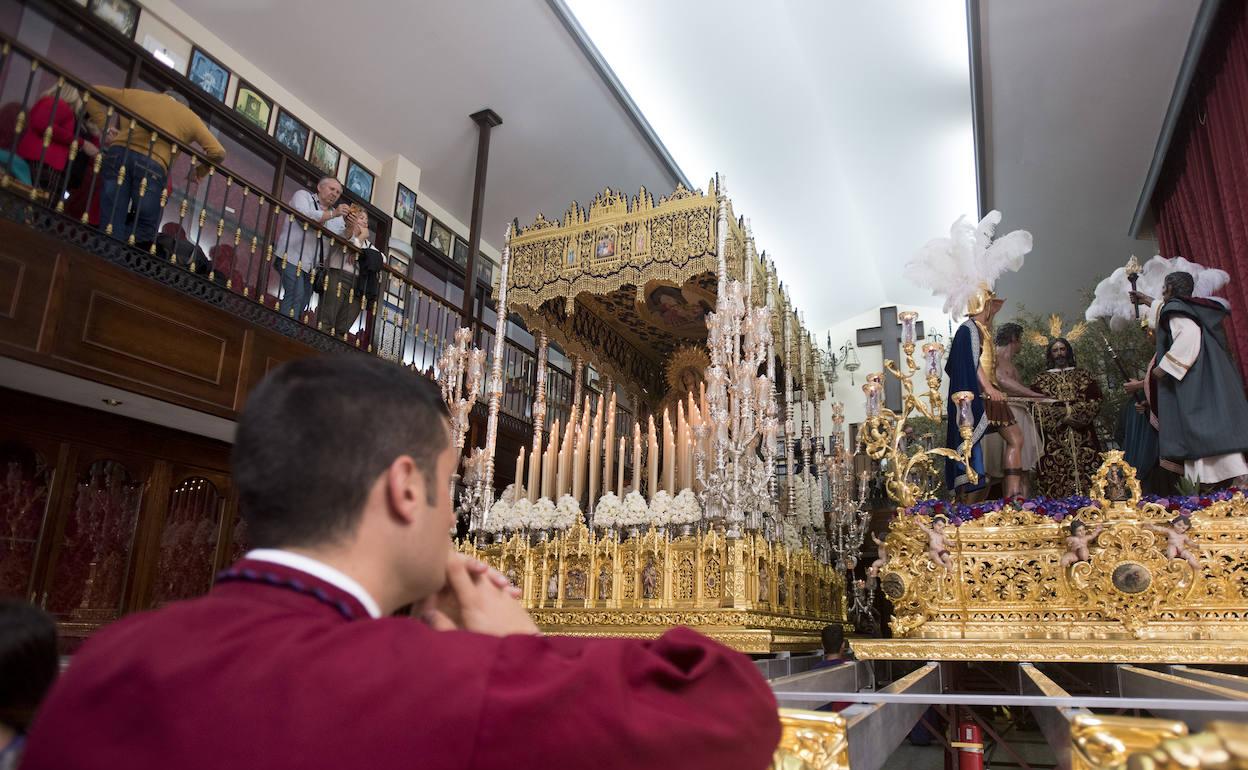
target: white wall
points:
(872, 359)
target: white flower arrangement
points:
(685, 508)
(509, 493)
(801, 501)
(522, 514)
(567, 512)
(636, 512)
(661, 508)
(815, 499)
(499, 517)
(792, 539)
(542, 514)
(607, 512)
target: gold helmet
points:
(981, 299)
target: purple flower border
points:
(1060, 509)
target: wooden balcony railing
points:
(220, 239)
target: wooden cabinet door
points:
(28, 481)
(189, 540)
(91, 564)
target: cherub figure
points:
(1177, 541)
(1077, 542)
(937, 546)
(881, 559)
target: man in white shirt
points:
(300, 243)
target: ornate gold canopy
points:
(626, 282)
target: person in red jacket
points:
(296, 658)
(59, 107)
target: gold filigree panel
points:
(1007, 579)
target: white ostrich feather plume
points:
(1111, 299)
(956, 267)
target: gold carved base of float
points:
(1006, 580)
(1053, 651)
(754, 596)
(744, 631)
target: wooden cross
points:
(888, 336)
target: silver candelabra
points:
(847, 518)
(734, 478)
(460, 371)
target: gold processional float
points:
(686, 523)
(610, 532)
(1110, 578)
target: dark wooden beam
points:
(486, 120)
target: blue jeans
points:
(117, 200)
(296, 290)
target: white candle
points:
(549, 466)
(682, 446)
(535, 468)
(652, 459)
(520, 471)
(669, 455)
(637, 455)
(619, 484)
(595, 455)
(609, 441)
(563, 484)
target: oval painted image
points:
(1131, 577)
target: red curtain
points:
(1201, 200)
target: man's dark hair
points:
(28, 661)
(833, 638)
(1180, 283)
(1070, 352)
(1008, 333)
(316, 434)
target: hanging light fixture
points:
(850, 358)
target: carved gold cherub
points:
(1177, 541)
(937, 545)
(881, 559)
(1077, 542)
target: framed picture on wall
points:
(121, 15)
(291, 133)
(208, 74)
(420, 221)
(325, 156)
(253, 105)
(360, 180)
(460, 255)
(405, 206)
(485, 269)
(440, 237)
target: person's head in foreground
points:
(338, 456)
(834, 645)
(28, 666)
(342, 468)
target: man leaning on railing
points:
(297, 248)
(131, 149)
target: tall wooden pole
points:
(486, 120)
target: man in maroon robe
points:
(343, 468)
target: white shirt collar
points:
(320, 570)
